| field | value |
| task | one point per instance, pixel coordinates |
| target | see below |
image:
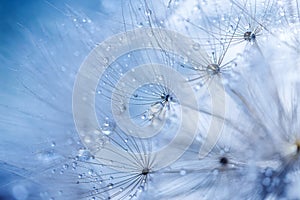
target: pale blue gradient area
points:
(42, 44)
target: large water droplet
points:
(110, 185)
(107, 127)
(83, 155)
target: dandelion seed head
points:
(213, 69)
(224, 161)
(145, 171)
(249, 36)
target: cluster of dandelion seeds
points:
(167, 99)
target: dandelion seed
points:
(123, 175)
(209, 177)
(223, 161)
(249, 36)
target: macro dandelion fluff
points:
(257, 17)
(220, 173)
(274, 116)
(214, 33)
(120, 176)
(149, 99)
(123, 158)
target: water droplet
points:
(185, 59)
(105, 60)
(87, 139)
(110, 185)
(196, 46)
(122, 107)
(268, 172)
(182, 172)
(74, 164)
(90, 172)
(148, 12)
(215, 172)
(83, 155)
(197, 87)
(213, 69)
(107, 127)
(266, 181)
(108, 47)
(159, 78)
(53, 144)
(141, 188)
